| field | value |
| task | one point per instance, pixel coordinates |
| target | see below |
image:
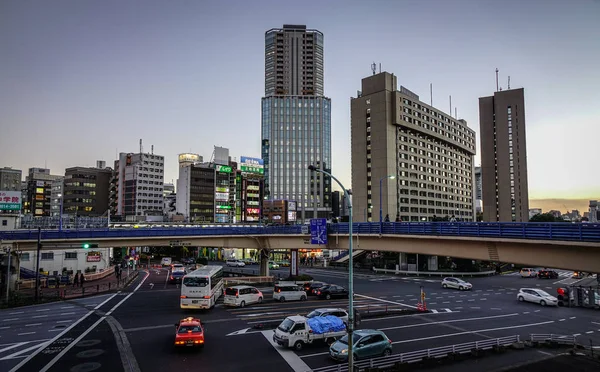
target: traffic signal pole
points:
(37, 265)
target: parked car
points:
(457, 284)
(527, 272)
(235, 263)
(273, 265)
(332, 291)
(367, 343)
(547, 274)
(537, 296)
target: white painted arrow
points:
(240, 332)
(151, 285)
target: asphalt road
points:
(144, 323)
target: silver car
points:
(457, 284)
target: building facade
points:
(594, 212)
(296, 120)
(86, 191)
(39, 192)
(429, 154)
(504, 156)
(10, 179)
(10, 192)
(56, 195)
(137, 186)
(478, 190)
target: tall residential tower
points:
(418, 159)
(504, 156)
(296, 120)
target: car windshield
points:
(286, 325)
(314, 314)
(195, 282)
(355, 337)
(188, 329)
(543, 293)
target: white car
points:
(340, 313)
(176, 268)
(235, 263)
(457, 284)
(536, 295)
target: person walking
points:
(387, 218)
(81, 279)
(76, 280)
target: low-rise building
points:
(73, 259)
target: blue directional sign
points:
(318, 231)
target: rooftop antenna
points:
(455, 114)
(141, 147)
(450, 105)
(380, 68)
(509, 82)
(431, 94)
(374, 68)
(497, 79)
(152, 149)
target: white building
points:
(69, 259)
(56, 194)
(534, 211)
(9, 221)
(594, 211)
(139, 181)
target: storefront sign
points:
(10, 200)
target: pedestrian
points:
(76, 280)
(81, 279)
(387, 218)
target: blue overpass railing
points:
(512, 230)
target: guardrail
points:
(561, 339)
(435, 273)
(419, 355)
(248, 279)
(584, 232)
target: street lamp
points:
(60, 222)
(390, 176)
(350, 329)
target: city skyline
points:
(92, 82)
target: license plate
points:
(190, 343)
(194, 301)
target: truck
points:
(296, 331)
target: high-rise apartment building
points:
(39, 192)
(594, 212)
(86, 191)
(504, 156)
(137, 186)
(296, 120)
(421, 157)
(478, 190)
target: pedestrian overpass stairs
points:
(344, 257)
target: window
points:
(4, 222)
(47, 255)
(70, 255)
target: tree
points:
(545, 217)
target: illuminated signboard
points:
(291, 206)
(10, 200)
(253, 188)
(222, 189)
(253, 195)
(221, 196)
(189, 158)
(251, 202)
(223, 206)
(253, 210)
(223, 168)
(291, 216)
(252, 165)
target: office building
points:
(478, 191)
(86, 190)
(137, 187)
(296, 120)
(594, 212)
(249, 189)
(56, 194)
(10, 179)
(336, 198)
(504, 156)
(39, 192)
(428, 153)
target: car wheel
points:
(298, 345)
(281, 299)
(543, 303)
(303, 298)
(444, 285)
(521, 298)
(259, 300)
(461, 288)
(328, 296)
(243, 303)
(387, 352)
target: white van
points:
(235, 263)
(288, 292)
(166, 261)
(242, 295)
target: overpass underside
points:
(572, 255)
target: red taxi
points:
(189, 332)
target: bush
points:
(299, 278)
(202, 260)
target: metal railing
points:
(435, 273)
(509, 230)
(419, 355)
(561, 339)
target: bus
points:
(201, 288)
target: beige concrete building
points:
(504, 156)
(429, 153)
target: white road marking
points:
(432, 303)
(64, 321)
(475, 308)
(561, 320)
(434, 311)
(483, 299)
(72, 312)
(11, 319)
(67, 307)
(596, 323)
(458, 307)
(55, 330)
(459, 300)
(43, 310)
(536, 311)
(7, 327)
(39, 316)
(471, 300)
(576, 334)
(33, 324)
(16, 312)
(387, 301)
(451, 335)
(496, 308)
(448, 321)
(292, 359)
(16, 355)
(572, 317)
(588, 332)
(12, 347)
(446, 302)
(525, 312)
(25, 333)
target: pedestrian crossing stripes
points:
(561, 274)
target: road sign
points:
(318, 231)
(305, 230)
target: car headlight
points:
(345, 351)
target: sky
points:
(81, 81)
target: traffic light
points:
(89, 245)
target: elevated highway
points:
(561, 245)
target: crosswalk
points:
(20, 350)
(561, 274)
(369, 277)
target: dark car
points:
(332, 291)
(547, 274)
(176, 277)
(311, 287)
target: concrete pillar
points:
(264, 262)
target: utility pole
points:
(37, 265)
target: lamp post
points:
(350, 329)
(60, 215)
(390, 176)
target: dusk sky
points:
(83, 80)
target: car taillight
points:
(206, 296)
(183, 296)
(318, 292)
(172, 277)
(390, 341)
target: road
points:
(143, 319)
